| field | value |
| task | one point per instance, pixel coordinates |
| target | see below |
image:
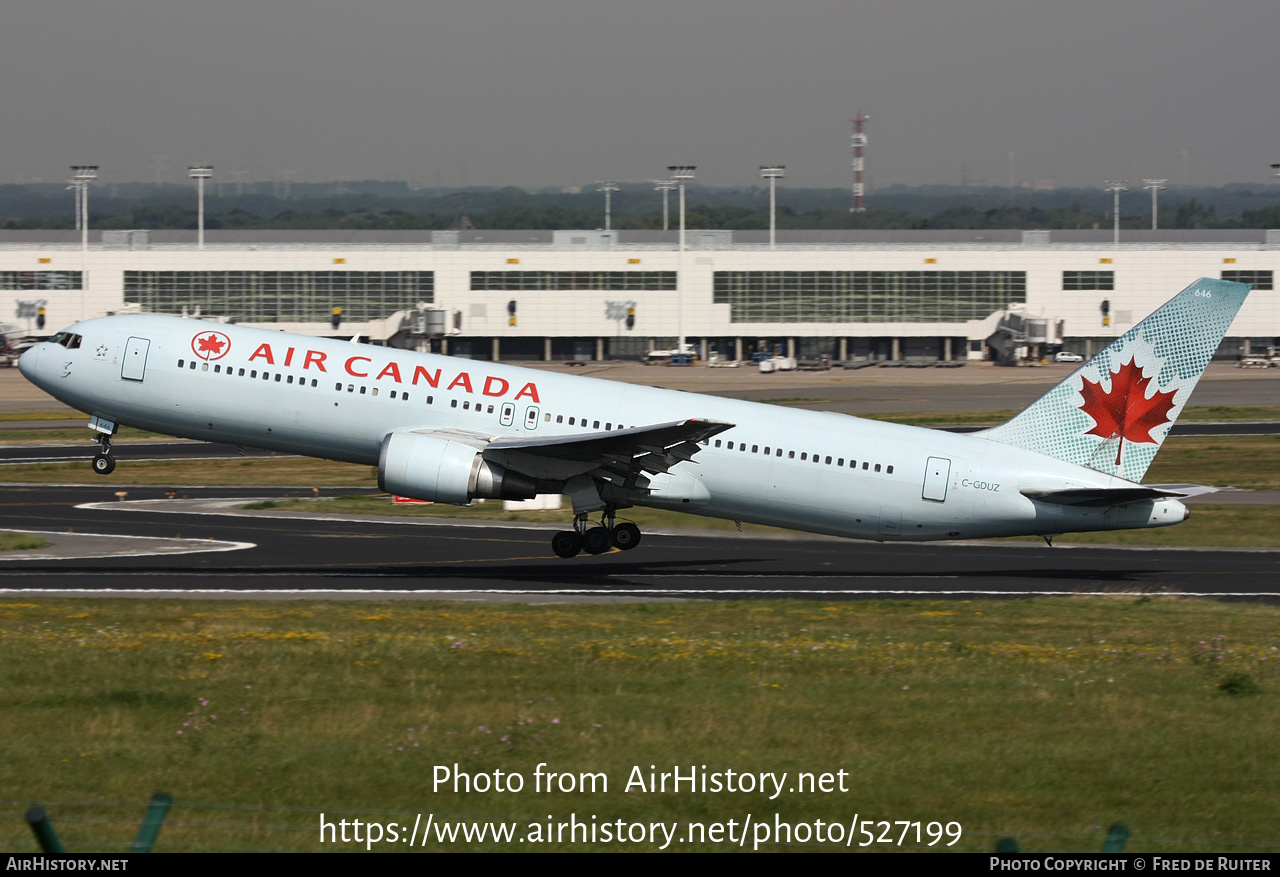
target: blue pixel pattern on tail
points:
(1170, 348)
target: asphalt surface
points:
(275, 555)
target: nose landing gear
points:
(103, 462)
(598, 539)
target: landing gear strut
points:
(598, 539)
(103, 462)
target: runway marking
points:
(192, 546)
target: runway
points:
(279, 555)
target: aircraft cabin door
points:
(134, 366)
(937, 473)
(531, 417)
(508, 414)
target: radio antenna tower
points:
(859, 142)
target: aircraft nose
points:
(27, 362)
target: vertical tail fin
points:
(1113, 413)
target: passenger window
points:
(731, 446)
(804, 455)
(840, 462)
(453, 403)
(888, 470)
(241, 372)
(828, 461)
(571, 421)
(431, 400)
(755, 449)
(864, 467)
(375, 391)
(717, 443)
(466, 406)
(217, 369)
(393, 394)
(545, 417)
(877, 467)
(791, 455)
(338, 387)
(608, 427)
(204, 366)
(778, 453)
(180, 363)
(559, 418)
(193, 365)
(290, 381)
(278, 377)
(595, 425)
(351, 388)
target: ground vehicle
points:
(1067, 356)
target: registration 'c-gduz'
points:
(452, 430)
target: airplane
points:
(453, 430)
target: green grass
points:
(1208, 527)
(264, 471)
(20, 541)
(73, 434)
(1047, 720)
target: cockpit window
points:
(69, 340)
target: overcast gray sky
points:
(553, 92)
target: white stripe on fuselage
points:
(259, 393)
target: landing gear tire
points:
(566, 543)
(626, 536)
(103, 464)
(596, 540)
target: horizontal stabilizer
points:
(1099, 497)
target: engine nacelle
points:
(425, 467)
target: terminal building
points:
(586, 295)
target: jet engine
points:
(425, 467)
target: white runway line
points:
(68, 552)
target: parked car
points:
(1067, 356)
(680, 359)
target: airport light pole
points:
(608, 187)
(681, 174)
(81, 176)
(773, 173)
(1117, 186)
(1155, 186)
(665, 187)
(200, 173)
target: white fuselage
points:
(813, 471)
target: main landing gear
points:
(103, 462)
(598, 539)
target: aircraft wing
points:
(618, 456)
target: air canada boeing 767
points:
(452, 430)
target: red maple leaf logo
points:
(211, 346)
(1126, 412)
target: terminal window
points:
(866, 296)
(1260, 279)
(590, 281)
(1077, 281)
(281, 296)
(40, 280)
